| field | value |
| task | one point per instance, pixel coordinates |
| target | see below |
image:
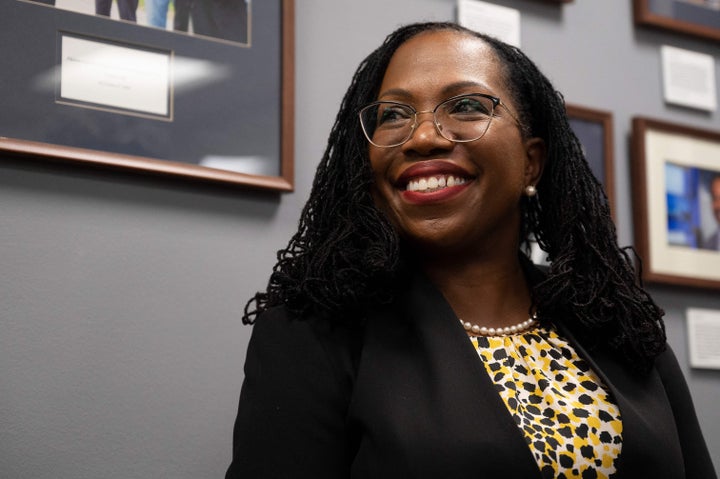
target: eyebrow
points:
(448, 90)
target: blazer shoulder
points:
(336, 342)
(695, 452)
(294, 399)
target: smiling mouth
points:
(434, 183)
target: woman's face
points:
(482, 212)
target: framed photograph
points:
(700, 18)
(594, 129)
(676, 202)
(194, 90)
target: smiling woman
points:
(405, 333)
(485, 150)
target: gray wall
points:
(120, 342)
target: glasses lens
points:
(465, 118)
(387, 123)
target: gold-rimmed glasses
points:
(461, 119)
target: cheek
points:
(377, 184)
(382, 200)
(379, 166)
(377, 160)
(382, 191)
(501, 160)
(377, 196)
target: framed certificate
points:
(111, 90)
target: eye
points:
(392, 114)
(472, 107)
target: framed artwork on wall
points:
(594, 129)
(676, 202)
(187, 100)
(700, 18)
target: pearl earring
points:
(530, 190)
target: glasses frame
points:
(495, 102)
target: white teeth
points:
(433, 183)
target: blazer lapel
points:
(423, 393)
(650, 446)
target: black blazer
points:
(407, 397)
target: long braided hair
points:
(345, 255)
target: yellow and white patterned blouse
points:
(567, 416)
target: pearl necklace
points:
(515, 328)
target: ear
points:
(536, 154)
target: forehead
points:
(432, 64)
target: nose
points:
(426, 135)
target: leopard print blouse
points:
(564, 411)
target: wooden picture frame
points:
(231, 123)
(699, 18)
(673, 168)
(594, 129)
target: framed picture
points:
(676, 202)
(187, 97)
(700, 18)
(594, 129)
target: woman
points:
(404, 333)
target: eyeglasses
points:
(459, 119)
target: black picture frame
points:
(233, 125)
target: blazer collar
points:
(464, 392)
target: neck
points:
(492, 293)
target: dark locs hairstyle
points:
(345, 254)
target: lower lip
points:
(418, 197)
